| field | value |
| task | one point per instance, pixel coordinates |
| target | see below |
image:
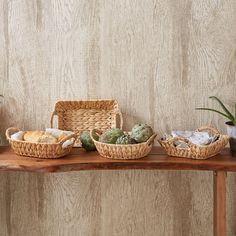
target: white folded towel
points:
(58, 132)
(67, 143)
(196, 137)
(18, 136)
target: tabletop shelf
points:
(79, 160)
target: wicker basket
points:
(117, 151)
(39, 150)
(195, 151)
(78, 116)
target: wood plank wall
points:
(160, 59)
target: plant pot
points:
(231, 131)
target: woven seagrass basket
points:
(39, 150)
(79, 116)
(195, 151)
(125, 152)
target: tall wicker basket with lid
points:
(78, 116)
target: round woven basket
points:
(125, 152)
(195, 151)
(39, 150)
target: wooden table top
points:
(79, 159)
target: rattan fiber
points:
(128, 151)
(78, 116)
(195, 151)
(40, 150)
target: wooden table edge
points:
(83, 161)
(80, 160)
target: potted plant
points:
(231, 123)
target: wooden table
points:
(81, 160)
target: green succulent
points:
(111, 135)
(87, 142)
(226, 112)
(141, 132)
(125, 139)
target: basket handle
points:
(52, 118)
(151, 139)
(93, 131)
(212, 129)
(11, 130)
(119, 114)
(75, 135)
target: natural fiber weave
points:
(78, 116)
(39, 150)
(127, 151)
(195, 151)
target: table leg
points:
(220, 203)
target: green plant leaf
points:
(223, 107)
(209, 109)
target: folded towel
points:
(58, 132)
(196, 137)
(18, 136)
(67, 143)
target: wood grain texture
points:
(4, 42)
(160, 59)
(79, 160)
(230, 206)
(220, 203)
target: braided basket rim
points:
(196, 151)
(110, 104)
(124, 145)
(222, 136)
(139, 150)
(40, 150)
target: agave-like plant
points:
(226, 112)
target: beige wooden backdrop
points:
(160, 59)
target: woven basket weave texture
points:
(40, 150)
(195, 151)
(128, 151)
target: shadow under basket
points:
(125, 151)
(39, 150)
(195, 151)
